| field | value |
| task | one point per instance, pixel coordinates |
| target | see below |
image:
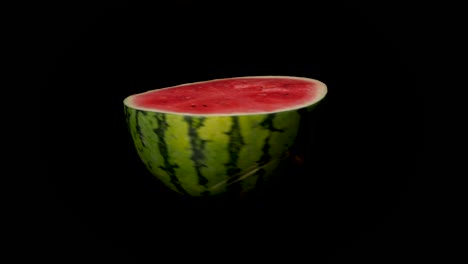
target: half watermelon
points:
(216, 136)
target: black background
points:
(353, 198)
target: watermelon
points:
(218, 136)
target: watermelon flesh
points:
(219, 136)
(248, 95)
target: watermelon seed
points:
(204, 105)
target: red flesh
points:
(239, 95)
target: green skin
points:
(211, 155)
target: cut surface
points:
(242, 95)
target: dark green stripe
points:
(127, 116)
(268, 124)
(265, 158)
(138, 128)
(236, 142)
(127, 121)
(198, 145)
(168, 167)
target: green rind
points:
(207, 155)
